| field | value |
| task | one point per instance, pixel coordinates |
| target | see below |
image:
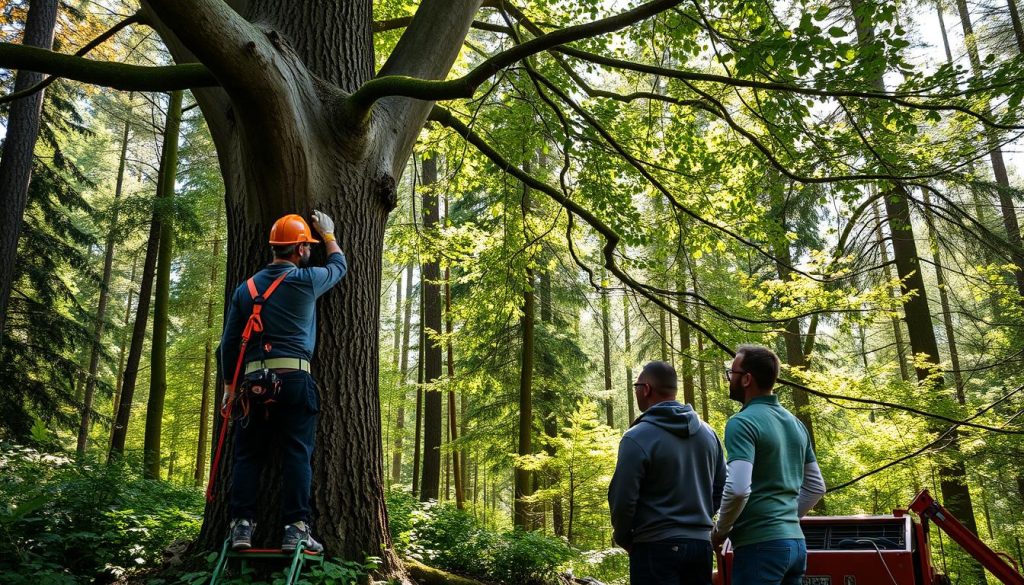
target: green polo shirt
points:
(777, 445)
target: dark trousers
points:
(678, 561)
(288, 424)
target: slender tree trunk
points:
(550, 416)
(947, 313)
(101, 308)
(1018, 31)
(131, 369)
(686, 361)
(199, 477)
(897, 331)
(630, 404)
(663, 333)
(122, 345)
(1006, 204)
(417, 452)
(522, 510)
(606, 345)
(431, 289)
(792, 335)
(453, 422)
(158, 354)
(396, 452)
(955, 492)
(19, 146)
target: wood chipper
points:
(883, 550)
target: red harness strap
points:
(253, 325)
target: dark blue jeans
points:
(678, 561)
(775, 562)
(288, 424)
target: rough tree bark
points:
(101, 306)
(522, 510)
(19, 146)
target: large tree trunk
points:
(158, 351)
(289, 142)
(19, 146)
(430, 485)
(101, 307)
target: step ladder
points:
(296, 559)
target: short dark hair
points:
(661, 376)
(284, 251)
(761, 363)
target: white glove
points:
(323, 223)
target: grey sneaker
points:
(241, 533)
(297, 533)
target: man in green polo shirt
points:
(773, 477)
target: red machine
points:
(882, 550)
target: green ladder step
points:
(297, 559)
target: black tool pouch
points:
(261, 386)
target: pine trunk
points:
(19, 147)
(430, 485)
(158, 351)
(606, 346)
(396, 452)
(101, 307)
(199, 477)
(630, 399)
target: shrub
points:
(66, 522)
(442, 536)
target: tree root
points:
(425, 575)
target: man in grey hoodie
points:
(667, 485)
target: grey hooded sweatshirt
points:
(669, 477)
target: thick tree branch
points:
(464, 87)
(101, 38)
(116, 75)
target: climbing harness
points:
(262, 383)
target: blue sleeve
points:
(624, 489)
(231, 339)
(327, 276)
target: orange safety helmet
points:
(291, 229)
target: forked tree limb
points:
(391, 85)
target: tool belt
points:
(279, 363)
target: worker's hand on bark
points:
(323, 223)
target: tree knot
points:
(387, 190)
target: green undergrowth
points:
(442, 536)
(65, 521)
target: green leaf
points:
(822, 13)
(837, 31)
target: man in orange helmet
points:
(276, 400)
